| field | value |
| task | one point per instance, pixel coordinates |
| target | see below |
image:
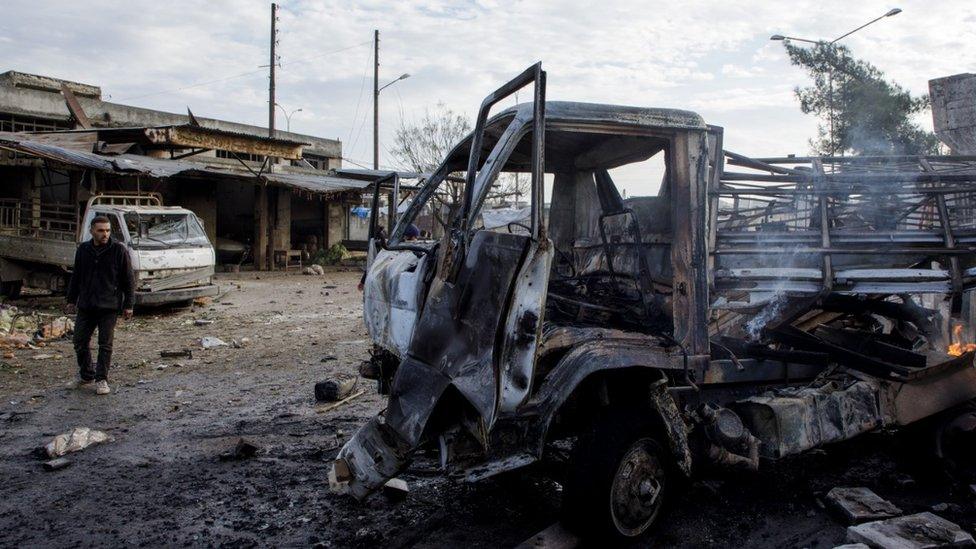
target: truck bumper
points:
(175, 295)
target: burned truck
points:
(753, 309)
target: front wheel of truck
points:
(620, 477)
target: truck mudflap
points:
(176, 295)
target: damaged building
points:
(260, 198)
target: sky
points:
(714, 58)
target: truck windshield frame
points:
(160, 231)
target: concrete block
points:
(858, 505)
(920, 531)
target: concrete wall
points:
(954, 111)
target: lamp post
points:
(376, 119)
(830, 75)
(287, 116)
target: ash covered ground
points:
(163, 480)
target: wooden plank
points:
(259, 250)
(189, 137)
(689, 166)
(81, 119)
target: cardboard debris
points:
(57, 328)
(859, 504)
(76, 440)
(920, 531)
(210, 342)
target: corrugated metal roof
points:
(163, 168)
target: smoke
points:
(756, 324)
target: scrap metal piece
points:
(859, 504)
(919, 531)
(372, 456)
(790, 421)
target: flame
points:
(958, 348)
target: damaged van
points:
(752, 309)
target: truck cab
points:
(708, 325)
(172, 258)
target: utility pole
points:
(271, 80)
(376, 99)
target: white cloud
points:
(715, 57)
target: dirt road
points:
(162, 481)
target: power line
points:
(243, 74)
(362, 89)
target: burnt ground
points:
(162, 480)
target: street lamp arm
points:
(784, 38)
(895, 11)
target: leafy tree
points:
(861, 112)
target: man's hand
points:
(127, 314)
(70, 309)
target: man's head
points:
(411, 232)
(101, 230)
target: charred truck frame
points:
(737, 315)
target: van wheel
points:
(11, 288)
(620, 478)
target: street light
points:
(376, 117)
(830, 75)
(287, 115)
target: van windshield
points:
(165, 230)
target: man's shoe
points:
(102, 388)
(81, 383)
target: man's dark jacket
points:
(102, 278)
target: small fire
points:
(958, 348)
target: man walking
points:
(101, 285)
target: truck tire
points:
(619, 480)
(11, 288)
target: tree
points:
(861, 112)
(423, 145)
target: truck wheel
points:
(619, 480)
(11, 288)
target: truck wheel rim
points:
(637, 491)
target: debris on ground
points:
(396, 489)
(55, 464)
(313, 270)
(555, 536)
(183, 353)
(202, 301)
(329, 358)
(57, 328)
(336, 388)
(210, 342)
(244, 449)
(335, 405)
(859, 504)
(46, 356)
(911, 532)
(202, 322)
(75, 440)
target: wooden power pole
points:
(271, 79)
(376, 99)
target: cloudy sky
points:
(711, 57)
